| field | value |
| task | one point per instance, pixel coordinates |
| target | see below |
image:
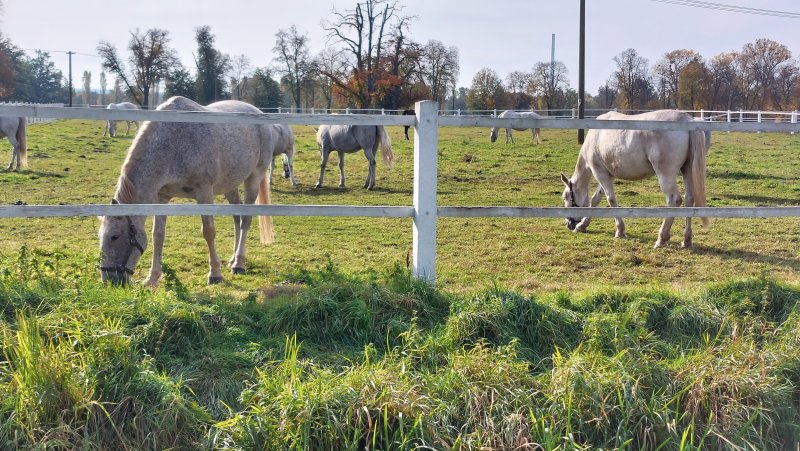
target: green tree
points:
(180, 83)
(486, 91)
(212, 65)
(45, 80)
(262, 90)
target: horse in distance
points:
(111, 126)
(352, 138)
(406, 127)
(283, 146)
(14, 128)
(609, 154)
(187, 160)
(535, 132)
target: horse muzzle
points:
(572, 223)
(115, 276)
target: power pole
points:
(69, 53)
(581, 67)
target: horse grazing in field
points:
(111, 126)
(284, 146)
(405, 128)
(189, 160)
(13, 128)
(637, 154)
(536, 132)
(352, 138)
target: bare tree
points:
(331, 65)
(439, 67)
(296, 66)
(550, 82)
(240, 68)
(150, 60)
(761, 62)
(363, 32)
(724, 88)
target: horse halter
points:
(572, 195)
(132, 244)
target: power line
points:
(732, 8)
(62, 51)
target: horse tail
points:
(23, 142)
(386, 146)
(265, 222)
(698, 148)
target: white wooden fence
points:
(33, 120)
(424, 211)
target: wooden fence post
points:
(426, 150)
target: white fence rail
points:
(424, 211)
(35, 119)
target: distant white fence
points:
(35, 119)
(424, 211)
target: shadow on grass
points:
(741, 175)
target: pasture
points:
(72, 164)
(534, 338)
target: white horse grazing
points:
(638, 154)
(352, 138)
(111, 126)
(284, 146)
(536, 132)
(189, 160)
(13, 128)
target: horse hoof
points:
(317, 186)
(686, 245)
(213, 280)
(237, 270)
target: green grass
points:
(580, 341)
(71, 163)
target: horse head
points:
(122, 242)
(493, 134)
(574, 196)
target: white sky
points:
(504, 35)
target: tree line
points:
(371, 61)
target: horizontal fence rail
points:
(425, 211)
(385, 211)
(378, 119)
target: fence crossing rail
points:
(35, 119)
(424, 212)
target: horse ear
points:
(564, 179)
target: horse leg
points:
(325, 154)
(128, 130)
(405, 132)
(288, 167)
(15, 150)
(370, 154)
(607, 185)
(509, 136)
(689, 187)
(205, 196)
(341, 169)
(538, 135)
(239, 258)
(673, 195)
(584, 223)
(233, 198)
(159, 233)
(271, 170)
(105, 130)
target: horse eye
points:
(114, 237)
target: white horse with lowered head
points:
(609, 154)
(352, 138)
(188, 160)
(111, 126)
(13, 128)
(535, 132)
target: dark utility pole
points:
(581, 68)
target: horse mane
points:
(126, 191)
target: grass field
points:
(72, 164)
(534, 337)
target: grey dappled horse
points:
(189, 160)
(284, 146)
(111, 126)
(536, 132)
(13, 128)
(637, 154)
(352, 138)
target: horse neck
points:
(138, 181)
(583, 174)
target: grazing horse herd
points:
(200, 160)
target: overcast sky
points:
(504, 35)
